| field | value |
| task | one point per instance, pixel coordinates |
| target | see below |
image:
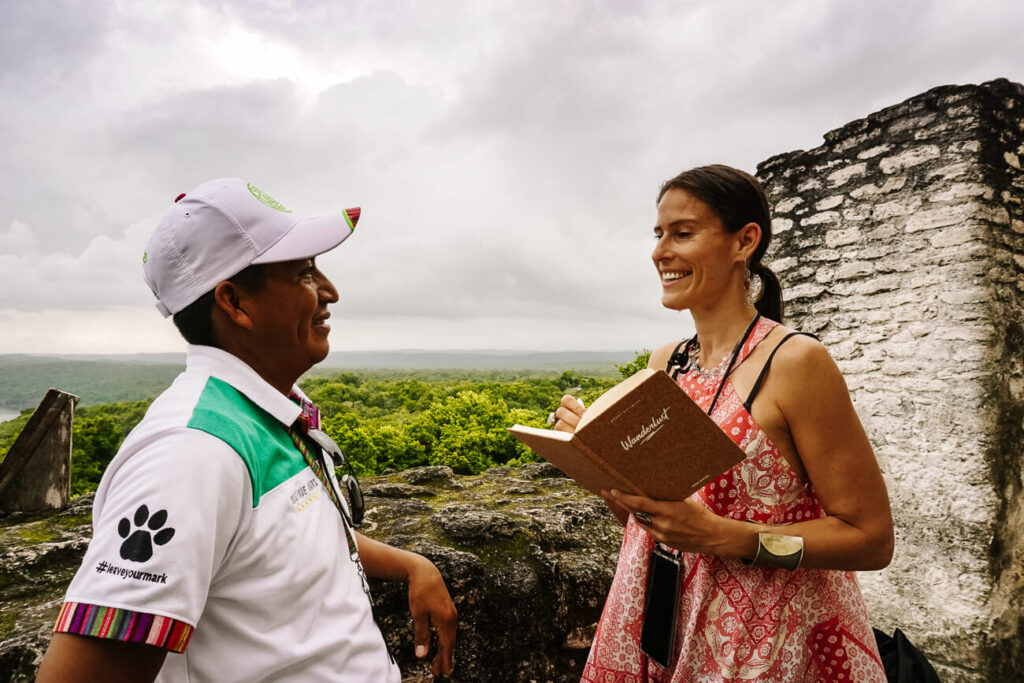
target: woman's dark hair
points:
(737, 198)
(195, 321)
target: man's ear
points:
(229, 298)
(747, 239)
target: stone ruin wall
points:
(900, 243)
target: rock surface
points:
(39, 553)
(528, 558)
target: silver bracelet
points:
(778, 551)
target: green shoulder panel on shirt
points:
(261, 441)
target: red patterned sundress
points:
(735, 622)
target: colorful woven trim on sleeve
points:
(83, 619)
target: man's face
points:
(290, 315)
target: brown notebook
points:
(643, 436)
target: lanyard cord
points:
(732, 361)
(323, 472)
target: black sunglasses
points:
(355, 494)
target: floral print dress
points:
(735, 622)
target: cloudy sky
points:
(505, 154)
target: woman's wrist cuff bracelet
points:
(778, 551)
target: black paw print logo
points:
(139, 546)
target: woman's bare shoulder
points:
(799, 345)
(805, 383)
(801, 358)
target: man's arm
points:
(429, 602)
(74, 659)
(180, 483)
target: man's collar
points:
(225, 366)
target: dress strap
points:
(761, 330)
(768, 363)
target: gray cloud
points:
(48, 42)
(506, 154)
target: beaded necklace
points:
(706, 374)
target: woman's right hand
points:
(568, 414)
(568, 417)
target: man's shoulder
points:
(199, 392)
(225, 412)
(172, 409)
(166, 427)
(257, 437)
(162, 450)
(204, 411)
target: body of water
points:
(6, 415)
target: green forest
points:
(383, 420)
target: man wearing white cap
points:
(219, 529)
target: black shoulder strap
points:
(764, 371)
(680, 358)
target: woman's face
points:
(698, 262)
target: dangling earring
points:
(748, 286)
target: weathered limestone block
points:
(528, 558)
(36, 472)
(925, 314)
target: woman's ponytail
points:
(769, 301)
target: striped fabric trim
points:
(310, 415)
(352, 217)
(83, 619)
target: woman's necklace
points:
(717, 373)
(707, 374)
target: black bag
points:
(903, 663)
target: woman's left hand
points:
(683, 525)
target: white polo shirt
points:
(214, 539)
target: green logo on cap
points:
(267, 199)
(145, 257)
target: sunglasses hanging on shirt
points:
(355, 495)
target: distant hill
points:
(478, 360)
(24, 378)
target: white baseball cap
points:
(222, 227)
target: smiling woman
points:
(701, 213)
(751, 577)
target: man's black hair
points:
(195, 321)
